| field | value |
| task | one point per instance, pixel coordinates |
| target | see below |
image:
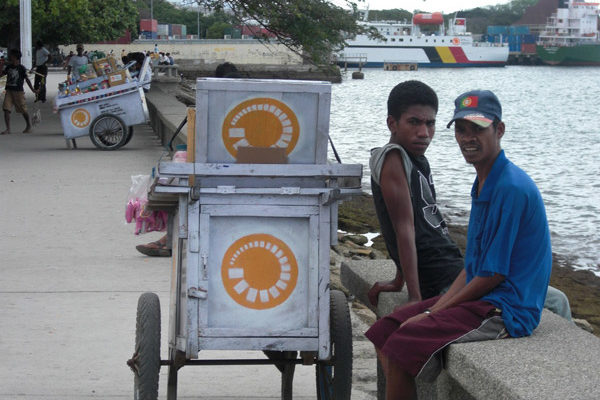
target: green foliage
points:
(313, 28)
(478, 19)
(217, 30)
(69, 21)
(390, 15)
(166, 13)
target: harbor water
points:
(552, 132)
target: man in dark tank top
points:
(412, 225)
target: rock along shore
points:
(357, 216)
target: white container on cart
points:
(252, 241)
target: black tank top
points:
(439, 259)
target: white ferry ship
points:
(423, 42)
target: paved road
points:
(70, 275)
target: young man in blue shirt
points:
(508, 261)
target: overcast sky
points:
(445, 6)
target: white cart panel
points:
(129, 105)
(262, 274)
(234, 113)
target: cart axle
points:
(242, 361)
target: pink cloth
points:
(145, 220)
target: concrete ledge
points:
(170, 73)
(559, 361)
(166, 113)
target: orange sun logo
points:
(259, 271)
(260, 122)
(80, 118)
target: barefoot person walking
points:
(16, 75)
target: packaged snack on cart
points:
(105, 66)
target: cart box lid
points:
(284, 114)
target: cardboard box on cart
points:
(118, 77)
(104, 66)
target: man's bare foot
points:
(28, 130)
(6, 132)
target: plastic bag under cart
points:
(106, 115)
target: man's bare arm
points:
(396, 194)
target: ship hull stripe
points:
(446, 55)
(459, 54)
(376, 64)
(433, 54)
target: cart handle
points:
(170, 144)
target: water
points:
(552, 132)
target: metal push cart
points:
(106, 115)
(251, 240)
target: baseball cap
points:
(478, 106)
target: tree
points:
(313, 28)
(217, 30)
(69, 21)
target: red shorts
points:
(417, 347)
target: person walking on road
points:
(16, 76)
(42, 58)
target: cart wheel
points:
(108, 132)
(334, 377)
(129, 135)
(146, 359)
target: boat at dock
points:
(571, 36)
(425, 42)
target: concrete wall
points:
(208, 51)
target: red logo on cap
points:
(470, 101)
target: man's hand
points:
(395, 285)
(415, 318)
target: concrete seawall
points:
(247, 51)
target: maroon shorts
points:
(417, 347)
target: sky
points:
(445, 6)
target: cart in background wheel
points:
(129, 135)
(145, 362)
(108, 132)
(334, 376)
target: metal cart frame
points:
(286, 211)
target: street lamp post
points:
(25, 28)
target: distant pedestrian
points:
(76, 62)
(156, 48)
(16, 75)
(42, 57)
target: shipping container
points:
(125, 39)
(148, 35)
(148, 25)
(528, 48)
(495, 30)
(518, 29)
(183, 30)
(175, 30)
(163, 30)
